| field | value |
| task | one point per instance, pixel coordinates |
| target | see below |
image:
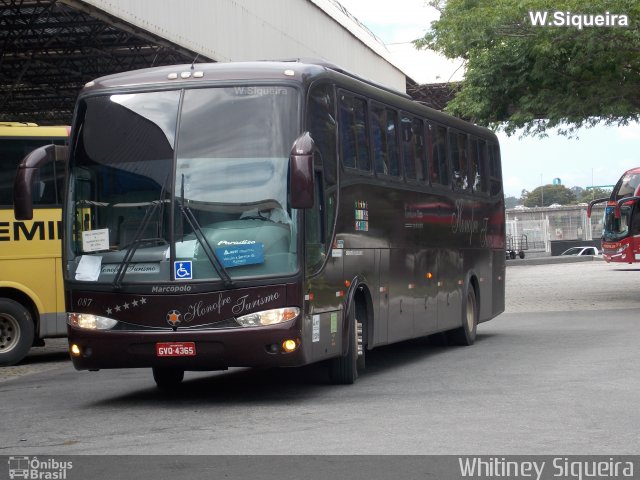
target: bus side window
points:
(408, 148)
(321, 124)
(392, 142)
(481, 183)
(353, 133)
(417, 128)
(380, 157)
(477, 148)
(10, 161)
(47, 189)
(384, 129)
(314, 231)
(635, 219)
(458, 151)
(44, 193)
(413, 148)
(495, 171)
(438, 158)
(59, 181)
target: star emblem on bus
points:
(174, 317)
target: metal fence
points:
(541, 226)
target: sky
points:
(598, 156)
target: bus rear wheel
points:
(16, 332)
(167, 378)
(466, 334)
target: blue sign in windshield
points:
(237, 256)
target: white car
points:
(581, 251)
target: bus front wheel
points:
(344, 370)
(167, 378)
(16, 332)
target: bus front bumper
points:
(198, 349)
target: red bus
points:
(621, 232)
(198, 238)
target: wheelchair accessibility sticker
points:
(182, 270)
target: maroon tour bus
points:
(270, 214)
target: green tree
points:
(510, 202)
(593, 194)
(551, 193)
(540, 77)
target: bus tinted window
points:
(322, 126)
(438, 165)
(478, 154)
(48, 186)
(495, 171)
(385, 143)
(353, 133)
(459, 157)
(392, 140)
(413, 148)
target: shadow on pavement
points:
(242, 386)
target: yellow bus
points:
(31, 290)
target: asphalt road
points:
(555, 374)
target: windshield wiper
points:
(137, 242)
(206, 246)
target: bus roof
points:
(301, 70)
(632, 171)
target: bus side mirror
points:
(301, 172)
(28, 172)
(625, 202)
(594, 202)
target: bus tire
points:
(344, 369)
(466, 334)
(16, 332)
(167, 378)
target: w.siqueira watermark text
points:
(578, 20)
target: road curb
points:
(552, 260)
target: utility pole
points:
(542, 190)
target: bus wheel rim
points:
(471, 317)
(9, 333)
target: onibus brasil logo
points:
(36, 469)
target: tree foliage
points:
(594, 193)
(511, 202)
(540, 77)
(546, 195)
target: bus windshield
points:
(616, 228)
(627, 185)
(194, 176)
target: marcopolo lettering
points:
(39, 230)
(171, 289)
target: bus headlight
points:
(90, 322)
(268, 317)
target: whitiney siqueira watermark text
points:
(578, 20)
(554, 467)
